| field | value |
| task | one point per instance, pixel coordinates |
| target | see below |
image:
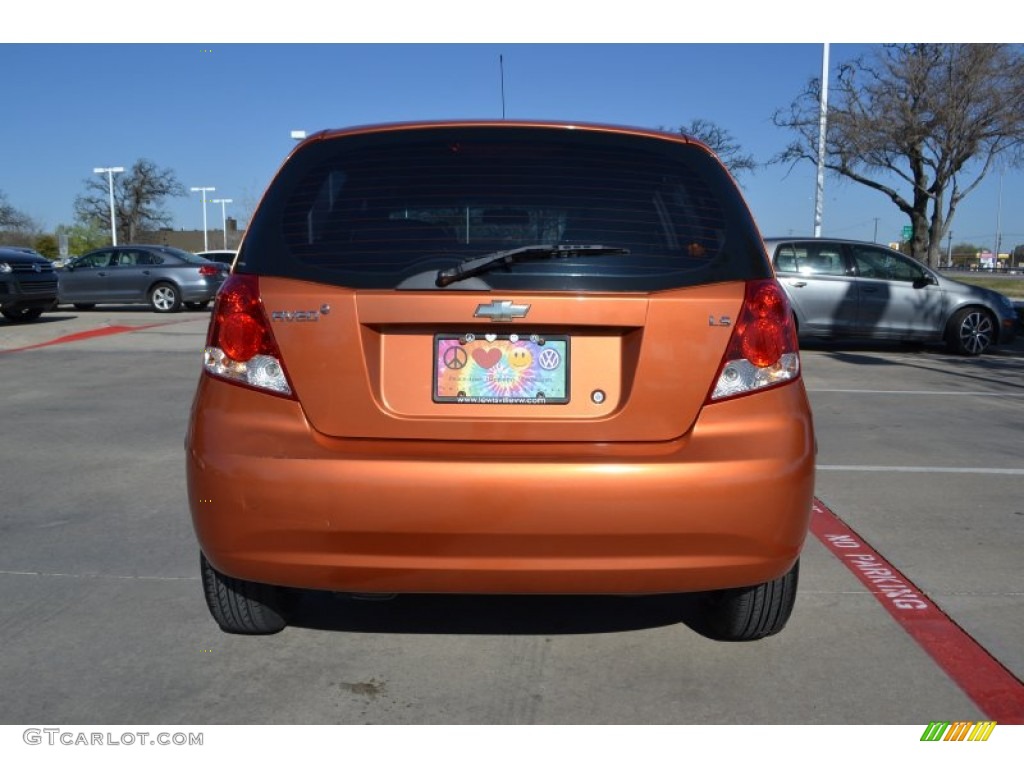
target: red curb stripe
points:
(93, 334)
(990, 685)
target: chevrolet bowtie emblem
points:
(502, 311)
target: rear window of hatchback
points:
(389, 209)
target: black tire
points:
(85, 306)
(752, 613)
(21, 314)
(195, 306)
(165, 297)
(241, 607)
(971, 331)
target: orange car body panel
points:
(725, 505)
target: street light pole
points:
(204, 190)
(999, 217)
(819, 189)
(224, 217)
(110, 185)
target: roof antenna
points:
(501, 66)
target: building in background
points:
(192, 239)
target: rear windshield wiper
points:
(489, 261)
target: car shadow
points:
(69, 310)
(44, 319)
(1002, 365)
(492, 614)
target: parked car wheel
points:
(165, 298)
(241, 607)
(970, 332)
(21, 314)
(751, 613)
(195, 306)
(85, 306)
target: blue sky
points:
(220, 114)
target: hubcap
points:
(163, 298)
(976, 332)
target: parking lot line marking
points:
(924, 470)
(992, 687)
(98, 576)
(918, 392)
(109, 330)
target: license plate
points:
(501, 369)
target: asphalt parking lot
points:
(102, 619)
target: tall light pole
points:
(819, 190)
(224, 217)
(999, 217)
(204, 190)
(110, 185)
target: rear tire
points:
(241, 607)
(752, 613)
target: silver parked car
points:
(165, 278)
(851, 288)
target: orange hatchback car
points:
(506, 358)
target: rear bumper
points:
(727, 505)
(204, 290)
(1009, 327)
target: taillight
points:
(240, 346)
(763, 349)
(208, 270)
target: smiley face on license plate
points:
(501, 369)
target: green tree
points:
(964, 253)
(85, 237)
(920, 123)
(139, 196)
(47, 246)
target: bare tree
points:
(921, 123)
(139, 195)
(12, 220)
(722, 144)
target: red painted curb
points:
(997, 691)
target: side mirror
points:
(925, 280)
